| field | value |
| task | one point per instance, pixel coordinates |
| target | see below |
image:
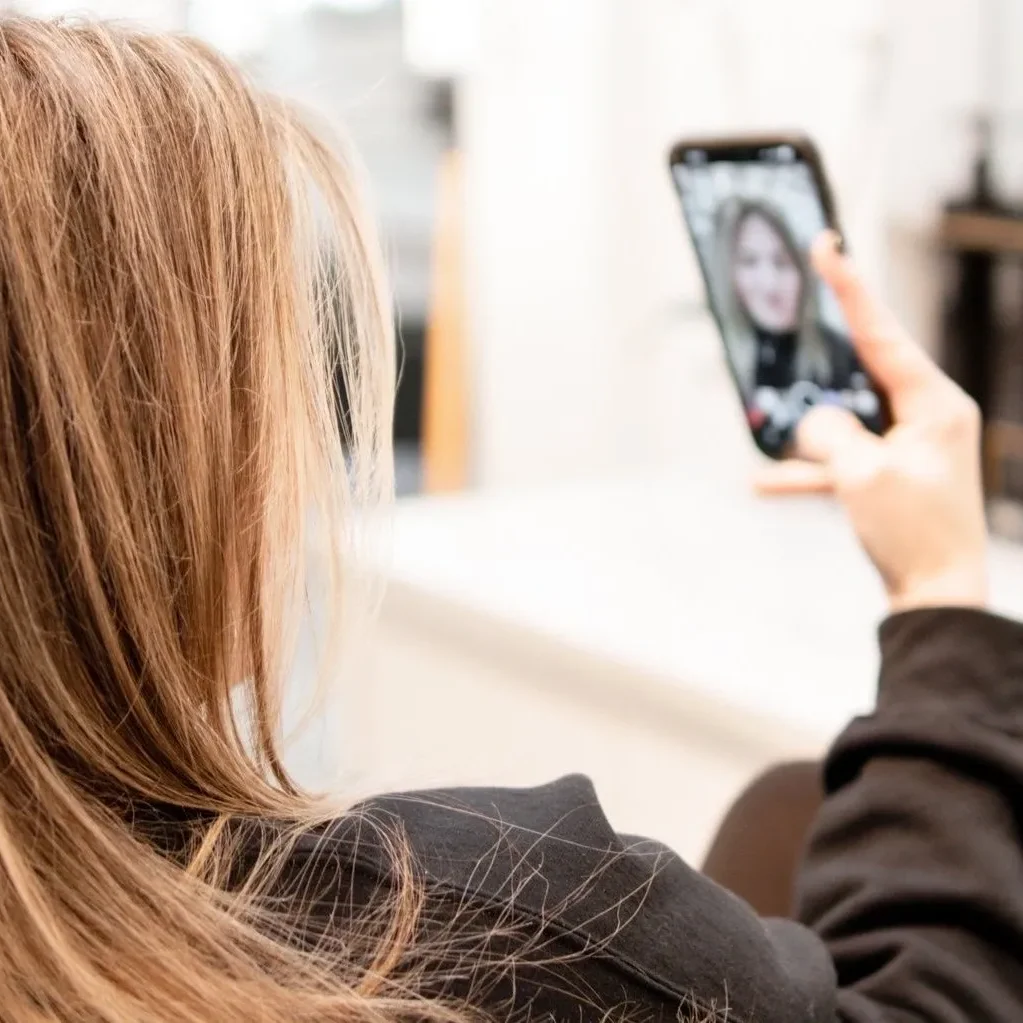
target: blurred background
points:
(579, 578)
(571, 289)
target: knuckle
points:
(959, 418)
(862, 475)
(971, 414)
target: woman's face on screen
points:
(767, 279)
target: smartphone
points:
(753, 207)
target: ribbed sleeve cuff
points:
(958, 657)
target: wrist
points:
(965, 587)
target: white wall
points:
(534, 127)
(166, 14)
(575, 242)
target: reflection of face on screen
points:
(766, 275)
(787, 342)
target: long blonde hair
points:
(183, 268)
(812, 361)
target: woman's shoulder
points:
(541, 840)
(446, 833)
(624, 917)
(565, 812)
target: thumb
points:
(828, 435)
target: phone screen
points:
(753, 212)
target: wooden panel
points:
(445, 400)
(982, 232)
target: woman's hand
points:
(914, 496)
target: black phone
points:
(753, 206)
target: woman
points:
(771, 322)
(166, 428)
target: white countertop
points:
(763, 608)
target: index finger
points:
(895, 361)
